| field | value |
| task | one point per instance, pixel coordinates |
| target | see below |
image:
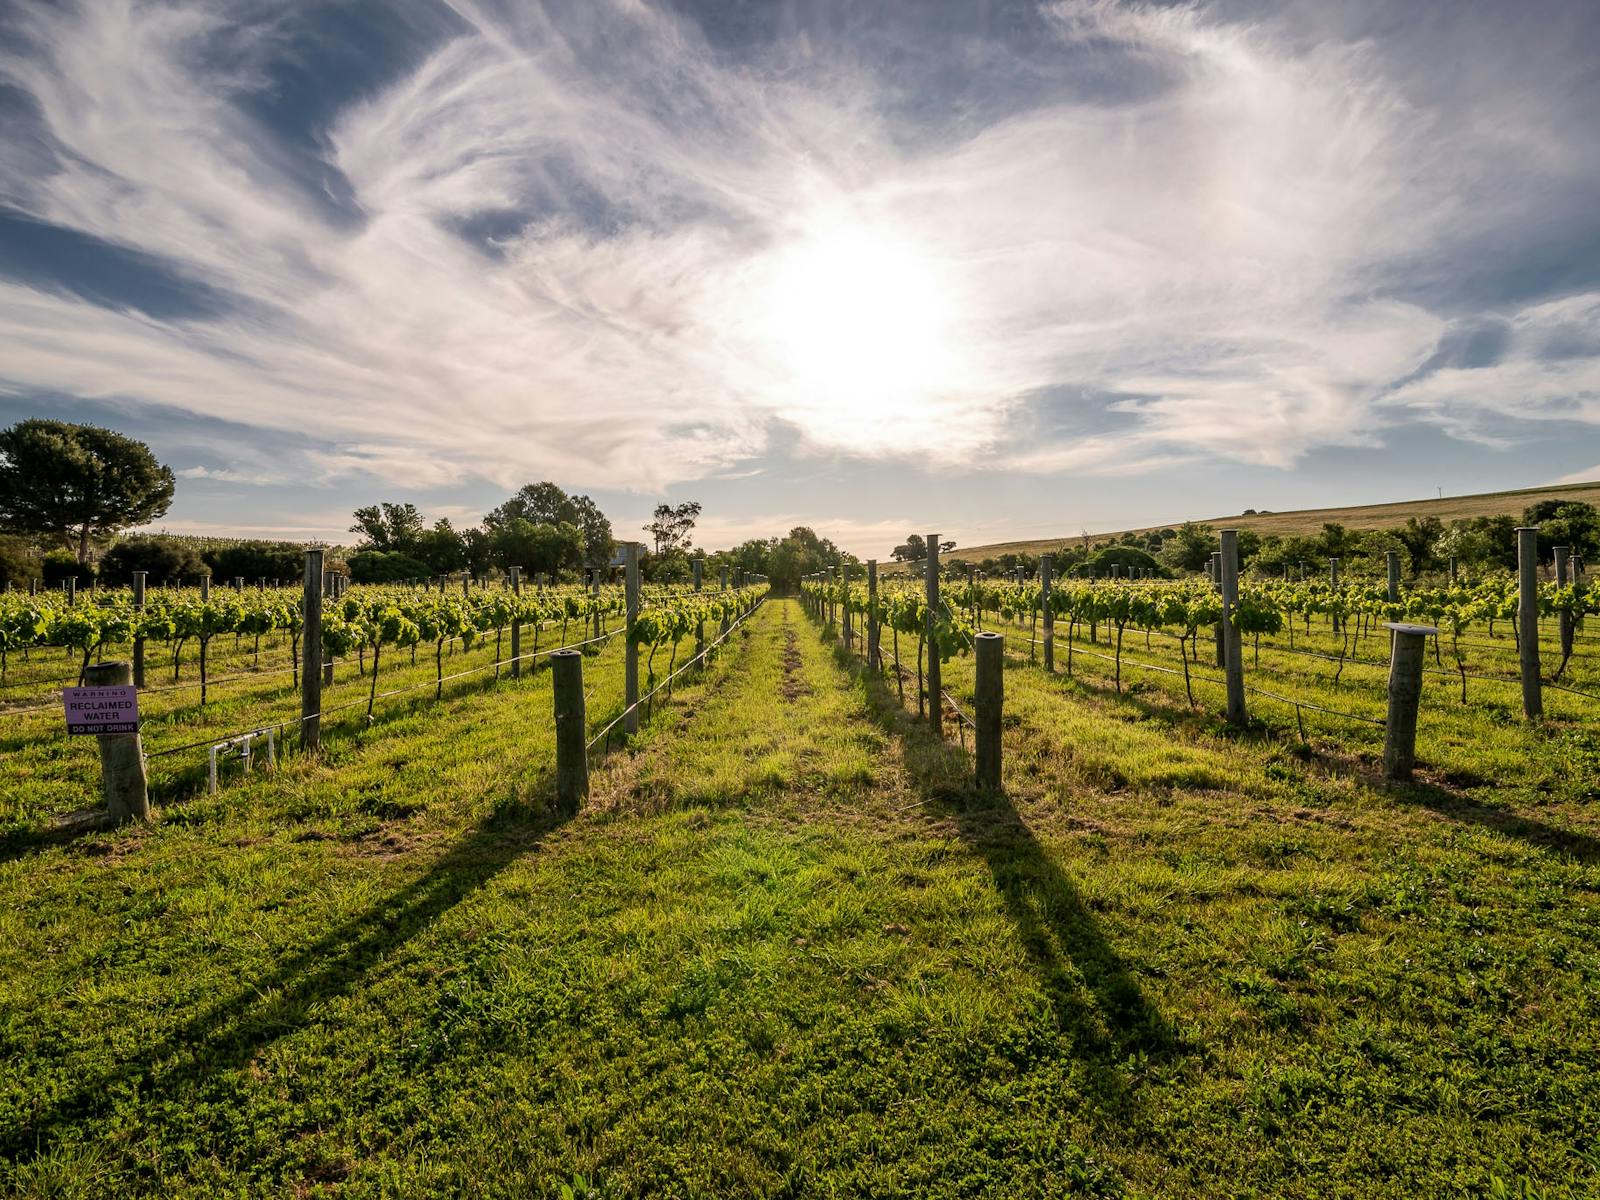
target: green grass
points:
(787, 951)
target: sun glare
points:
(861, 322)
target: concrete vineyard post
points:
(1452, 568)
(71, 588)
(238, 584)
(1392, 567)
(1407, 643)
(1046, 570)
(988, 700)
(872, 612)
(930, 629)
(699, 625)
(205, 587)
(311, 655)
(1233, 652)
(1528, 619)
(138, 641)
(516, 623)
(1564, 577)
(572, 753)
(122, 778)
(630, 664)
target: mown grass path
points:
(786, 951)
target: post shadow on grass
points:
(1107, 1012)
(1461, 806)
(228, 1035)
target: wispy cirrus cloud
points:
(614, 244)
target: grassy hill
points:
(1310, 520)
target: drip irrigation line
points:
(956, 709)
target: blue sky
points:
(995, 269)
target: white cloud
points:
(710, 247)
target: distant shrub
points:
(380, 566)
(283, 561)
(59, 566)
(160, 558)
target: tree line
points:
(1425, 545)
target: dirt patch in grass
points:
(794, 686)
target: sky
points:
(990, 268)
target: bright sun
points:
(860, 320)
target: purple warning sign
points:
(102, 709)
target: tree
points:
(477, 548)
(799, 554)
(598, 542)
(673, 525)
(1335, 541)
(1480, 541)
(1190, 546)
(389, 528)
(75, 482)
(913, 549)
(547, 504)
(537, 503)
(1566, 523)
(1418, 539)
(537, 549)
(440, 548)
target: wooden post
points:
(1564, 577)
(238, 584)
(1233, 652)
(122, 778)
(1392, 565)
(1528, 619)
(872, 613)
(932, 674)
(311, 655)
(572, 754)
(988, 700)
(1407, 643)
(205, 587)
(516, 623)
(71, 588)
(630, 665)
(722, 585)
(138, 641)
(1046, 570)
(699, 625)
(1452, 568)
